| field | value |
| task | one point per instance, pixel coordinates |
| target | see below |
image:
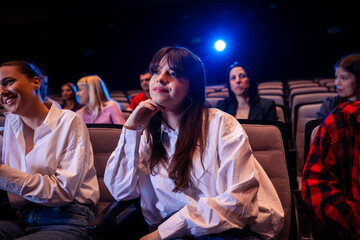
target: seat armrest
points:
(118, 217)
(303, 217)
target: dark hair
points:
(28, 69)
(193, 125)
(144, 72)
(351, 63)
(253, 89)
(73, 89)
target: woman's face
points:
(239, 81)
(83, 93)
(345, 83)
(167, 89)
(67, 93)
(17, 91)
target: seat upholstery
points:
(306, 113)
(307, 98)
(268, 148)
(279, 100)
(280, 114)
(104, 139)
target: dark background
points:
(117, 39)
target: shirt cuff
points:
(173, 227)
(11, 179)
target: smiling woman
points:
(47, 161)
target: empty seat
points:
(280, 113)
(222, 94)
(307, 98)
(271, 92)
(306, 113)
(279, 100)
(298, 91)
(104, 139)
(266, 142)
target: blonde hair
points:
(98, 94)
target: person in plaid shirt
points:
(331, 178)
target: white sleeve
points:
(61, 187)
(236, 185)
(121, 173)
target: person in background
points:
(347, 81)
(144, 83)
(193, 168)
(244, 101)
(70, 99)
(331, 180)
(98, 107)
(44, 90)
(47, 164)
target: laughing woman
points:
(193, 169)
(47, 165)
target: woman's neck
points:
(36, 114)
(352, 99)
(69, 104)
(242, 102)
(172, 119)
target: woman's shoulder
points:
(266, 102)
(111, 104)
(216, 114)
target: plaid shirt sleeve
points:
(323, 187)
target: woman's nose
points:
(163, 78)
(337, 82)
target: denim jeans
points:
(39, 222)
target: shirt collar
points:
(50, 120)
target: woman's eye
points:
(8, 82)
(242, 76)
(173, 74)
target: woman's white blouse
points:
(224, 189)
(60, 167)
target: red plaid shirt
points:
(331, 181)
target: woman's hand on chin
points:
(142, 114)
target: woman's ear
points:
(36, 81)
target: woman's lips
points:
(160, 90)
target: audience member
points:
(193, 168)
(98, 107)
(331, 180)
(47, 164)
(144, 83)
(347, 81)
(70, 99)
(244, 101)
(44, 90)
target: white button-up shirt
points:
(224, 189)
(59, 168)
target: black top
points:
(260, 109)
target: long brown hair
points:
(193, 125)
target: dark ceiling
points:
(117, 39)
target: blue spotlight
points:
(220, 45)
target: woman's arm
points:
(321, 187)
(71, 168)
(236, 187)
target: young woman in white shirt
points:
(193, 167)
(47, 165)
